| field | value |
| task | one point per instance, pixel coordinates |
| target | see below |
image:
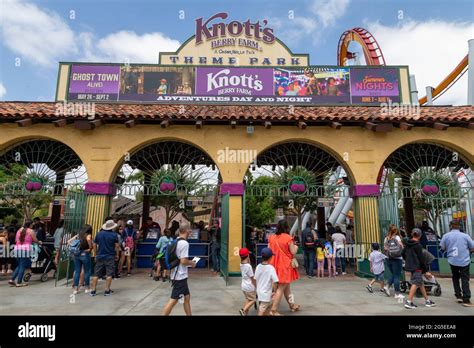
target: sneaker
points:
(87, 291)
(459, 300)
(242, 312)
(75, 292)
(369, 288)
(399, 296)
(410, 305)
(468, 304)
(11, 283)
(344, 273)
(386, 291)
(92, 293)
(429, 303)
(9, 271)
(108, 292)
(129, 274)
(21, 285)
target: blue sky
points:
(431, 37)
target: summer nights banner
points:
(374, 85)
(287, 86)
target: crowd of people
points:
(114, 245)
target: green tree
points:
(259, 210)
(14, 195)
(189, 182)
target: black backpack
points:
(171, 258)
(308, 240)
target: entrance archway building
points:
(348, 134)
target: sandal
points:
(275, 313)
(294, 308)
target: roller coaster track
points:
(374, 56)
(449, 80)
(372, 51)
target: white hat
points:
(130, 222)
(109, 225)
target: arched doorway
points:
(169, 181)
(44, 179)
(300, 182)
(426, 185)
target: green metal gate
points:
(75, 210)
(224, 256)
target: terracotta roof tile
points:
(226, 112)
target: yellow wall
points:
(362, 151)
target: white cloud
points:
(128, 46)
(431, 49)
(328, 11)
(321, 14)
(38, 35)
(3, 90)
(44, 38)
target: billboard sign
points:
(94, 82)
(312, 85)
(374, 85)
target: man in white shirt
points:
(179, 274)
(339, 240)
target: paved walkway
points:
(139, 295)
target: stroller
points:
(431, 284)
(42, 264)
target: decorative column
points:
(367, 226)
(98, 203)
(236, 192)
(408, 204)
(56, 208)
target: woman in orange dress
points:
(284, 249)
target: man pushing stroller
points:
(416, 264)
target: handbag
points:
(294, 261)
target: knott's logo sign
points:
(235, 28)
(233, 43)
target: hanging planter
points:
(33, 184)
(429, 187)
(297, 185)
(167, 185)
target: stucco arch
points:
(345, 165)
(13, 143)
(138, 146)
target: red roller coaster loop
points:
(372, 51)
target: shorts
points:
(104, 264)
(180, 289)
(250, 295)
(416, 278)
(379, 277)
(264, 306)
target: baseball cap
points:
(244, 252)
(130, 222)
(267, 252)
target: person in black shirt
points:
(215, 233)
(38, 227)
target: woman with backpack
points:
(129, 236)
(80, 247)
(160, 266)
(393, 247)
(24, 239)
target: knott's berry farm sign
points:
(217, 42)
(233, 62)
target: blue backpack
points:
(75, 247)
(171, 258)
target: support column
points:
(56, 209)
(236, 192)
(367, 226)
(408, 205)
(99, 195)
(146, 200)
